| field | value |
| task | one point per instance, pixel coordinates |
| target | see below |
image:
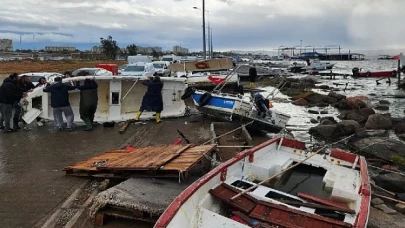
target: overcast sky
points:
(236, 24)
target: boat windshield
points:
(134, 68)
(158, 65)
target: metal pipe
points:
(204, 42)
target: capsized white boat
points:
(326, 188)
(206, 72)
(119, 98)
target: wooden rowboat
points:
(297, 188)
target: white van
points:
(161, 68)
(138, 69)
(171, 58)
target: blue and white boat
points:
(242, 108)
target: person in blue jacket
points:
(60, 103)
(152, 100)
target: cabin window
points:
(37, 102)
(115, 98)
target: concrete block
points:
(386, 209)
(376, 201)
(400, 208)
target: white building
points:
(60, 48)
(6, 45)
(149, 50)
(180, 50)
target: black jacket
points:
(252, 74)
(88, 93)
(59, 94)
(25, 87)
(9, 93)
(152, 100)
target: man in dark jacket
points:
(60, 103)
(88, 101)
(9, 94)
(252, 77)
(25, 85)
(152, 100)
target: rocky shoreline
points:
(371, 136)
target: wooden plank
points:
(224, 192)
(189, 158)
(323, 201)
(316, 206)
(287, 217)
(164, 161)
(124, 127)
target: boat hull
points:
(377, 74)
(235, 108)
(119, 98)
(197, 206)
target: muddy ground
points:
(32, 183)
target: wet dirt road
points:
(32, 183)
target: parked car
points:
(35, 76)
(161, 68)
(139, 69)
(94, 71)
(122, 68)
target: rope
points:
(227, 133)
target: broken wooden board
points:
(164, 161)
(124, 127)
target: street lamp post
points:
(203, 25)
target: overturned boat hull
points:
(335, 194)
(238, 108)
(119, 98)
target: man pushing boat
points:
(152, 100)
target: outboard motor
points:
(262, 105)
(356, 72)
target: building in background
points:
(148, 50)
(6, 45)
(60, 48)
(97, 49)
(180, 50)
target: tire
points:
(204, 99)
(188, 93)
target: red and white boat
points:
(326, 190)
(373, 73)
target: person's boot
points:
(158, 120)
(88, 127)
(138, 114)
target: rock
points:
(378, 122)
(400, 196)
(367, 111)
(300, 102)
(324, 112)
(313, 112)
(356, 116)
(349, 127)
(360, 104)
(314, 121)
(327, 122)
(386, 209)
(384, 148)
(330, 118)
(323, 87)
(400, 128)
(397, 120)
(323, 131)
(384, 102)
(391, 181)
(319, 99)
(337, 96)
(400, 207)
(376, 201)
(372, 94)
(382, 107)
(373, 133)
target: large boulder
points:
(300, 102)
(327, 120)
(378, 122)
(381, 147)
(391, 181)
(348, 127)
(360, 115)
(400, 127)
(357, 102)
(337, 96)
(327, 130)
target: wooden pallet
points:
(158, 161)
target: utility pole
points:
(20, 44)
(212, 49)
(204, 42)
